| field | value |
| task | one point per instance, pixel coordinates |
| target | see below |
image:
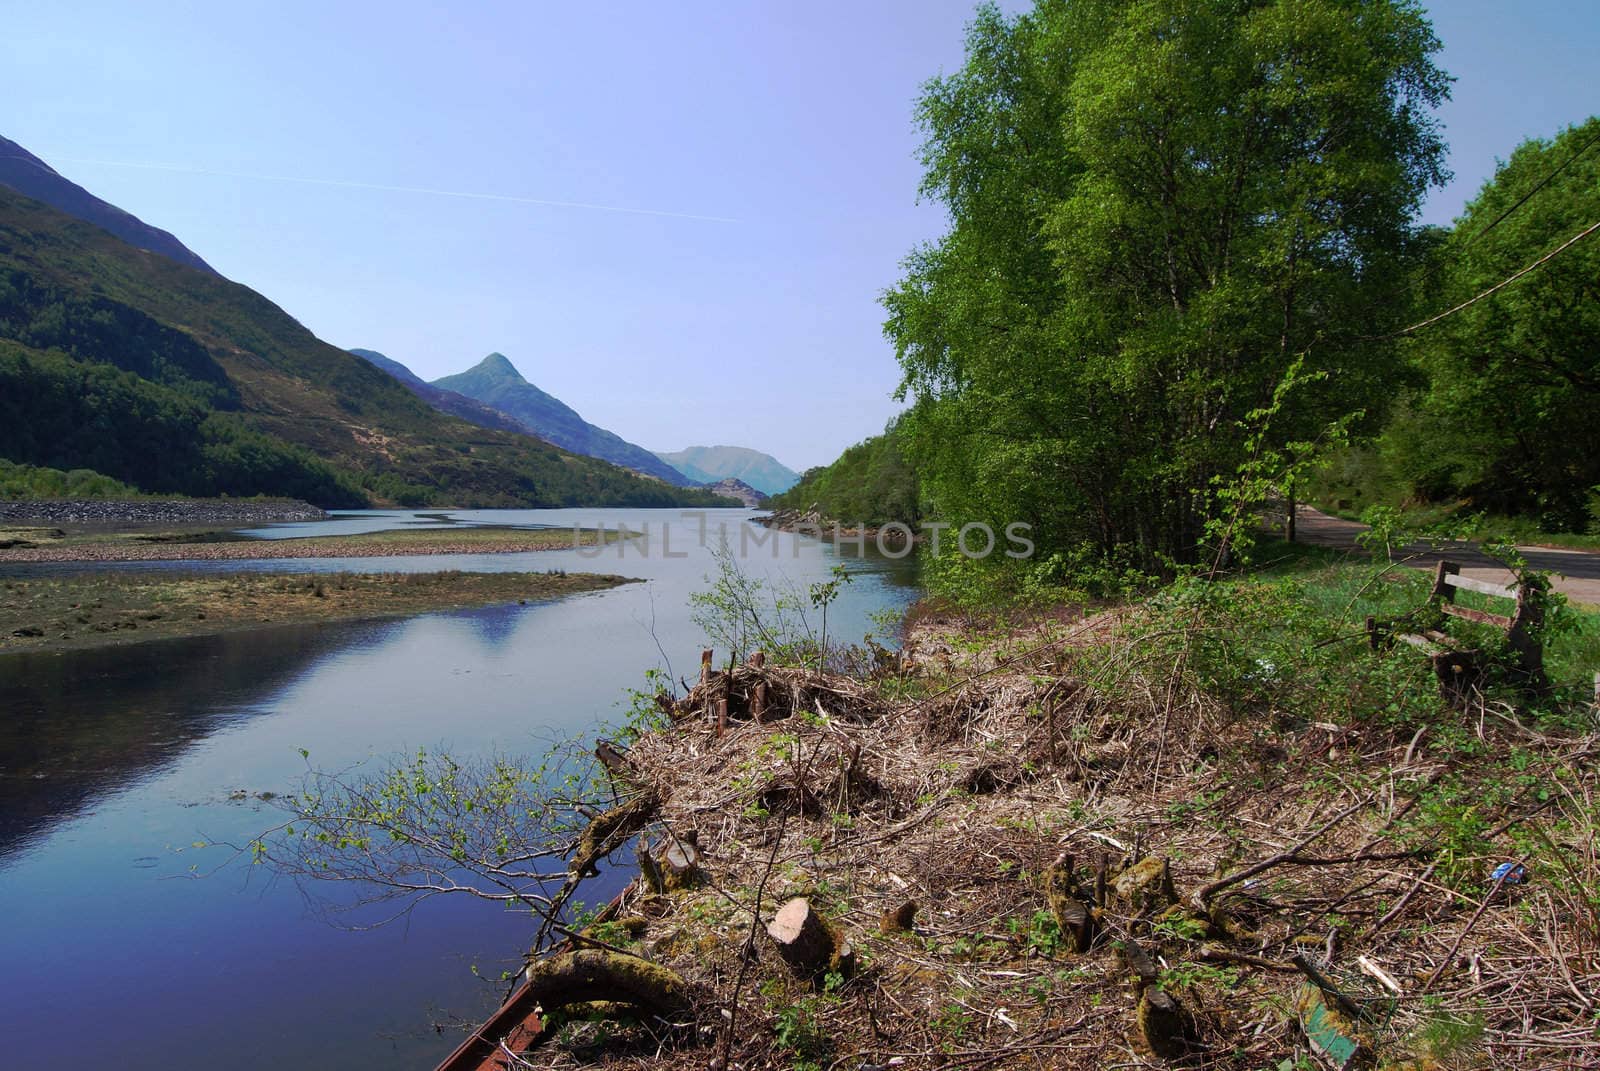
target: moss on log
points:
(594, 975)
(609, 831)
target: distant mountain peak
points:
(495, 382)
(32, 177)
(446, 401)
(499, 364)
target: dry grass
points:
(957, 776)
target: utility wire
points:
(1501, 285)
(1541, 184)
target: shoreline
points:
(1006, 817)
(53, 546)
(812, 523)
(214, 511)
(98, 610)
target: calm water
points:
(122, 945)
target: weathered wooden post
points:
(758, 697)
(1442, 589)
(1523, 633)
(705, 678)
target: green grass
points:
(1303, 611)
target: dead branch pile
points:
(1030, 870)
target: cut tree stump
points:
(1147, 884)
(758, 695)
(898, 919)
(803, 938)
(1072, 915)
(1161, 1024)
(679, 861)
(1164, 1026)
(649, 869)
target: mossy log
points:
(593, 975)
(610, 830)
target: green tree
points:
(1507, 420)
(1155, 207)
(870, 483)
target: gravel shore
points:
(239, 512)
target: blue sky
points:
(765, 150)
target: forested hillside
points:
(871, 483)
(177, 380)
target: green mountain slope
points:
(872, 482)
(445, 401)
(187, 382)
(709, 464)
(495, 382)
(32, 177)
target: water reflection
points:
(80, 726)
(140, 749)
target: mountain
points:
(32, 177)
(169, 377)
(495, 382)
(708, 464)
(446, 401)
(732, 488)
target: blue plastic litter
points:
(1510, 873)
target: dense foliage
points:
(31, 481)
(61, 413)
(1508, 418)
(870, 483)
(43, 316)
(1156, 207)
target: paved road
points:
(1576, 573)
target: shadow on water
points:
(121, 771)
(63, 745)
